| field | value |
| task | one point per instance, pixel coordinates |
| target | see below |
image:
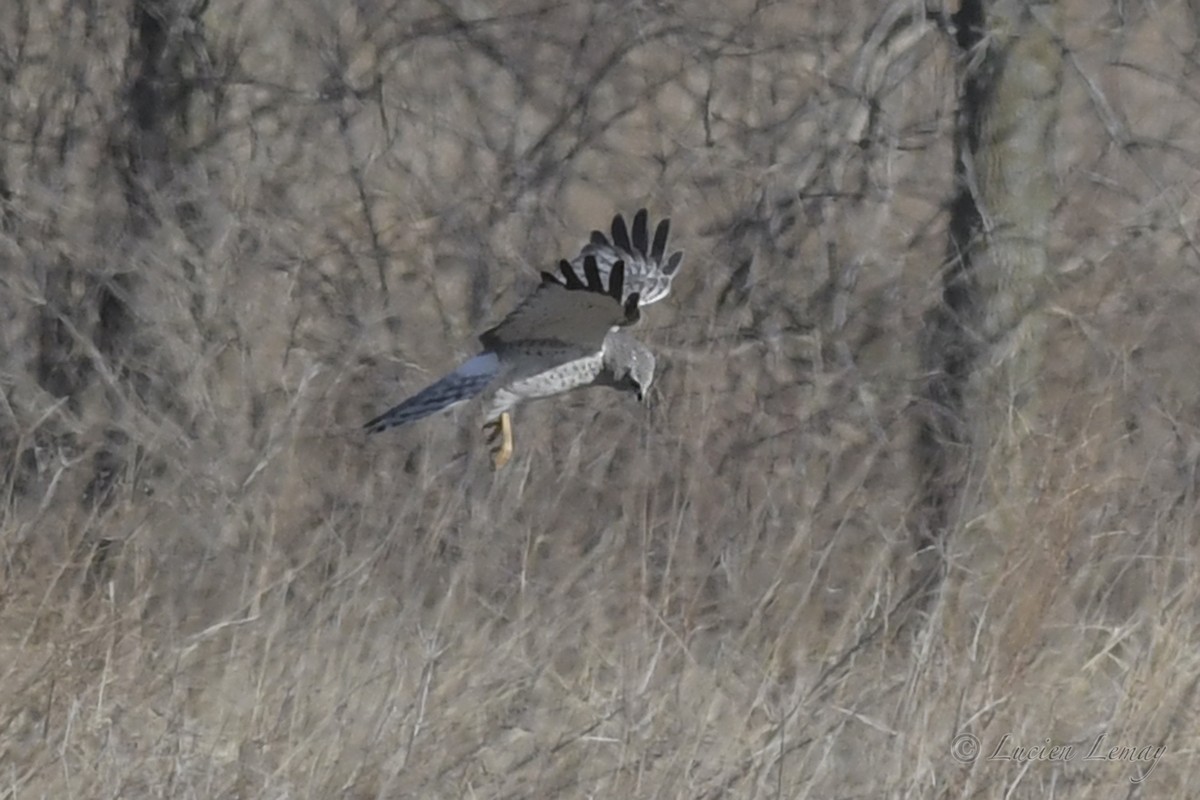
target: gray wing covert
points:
(567, 310)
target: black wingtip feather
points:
(673, 263)
(620, 234)
(616, 281)
(660, 241)
(592, 281)
(641, 236)
(591, 274)
(632, 308)
(599, 239)
(570, 279)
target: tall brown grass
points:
(215, 586)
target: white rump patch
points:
(482, 364)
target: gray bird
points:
(564, 335)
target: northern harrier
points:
(564, 335)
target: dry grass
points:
(215, 586)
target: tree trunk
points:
(983, 343)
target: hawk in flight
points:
(564, 335)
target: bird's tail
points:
(464, 383)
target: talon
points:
(500, 431)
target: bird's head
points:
(631, 366)
(641, 373)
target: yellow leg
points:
(501, 440)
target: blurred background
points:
(231, 231)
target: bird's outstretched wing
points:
(648, 269)
(567, 310)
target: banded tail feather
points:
(470, 379)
